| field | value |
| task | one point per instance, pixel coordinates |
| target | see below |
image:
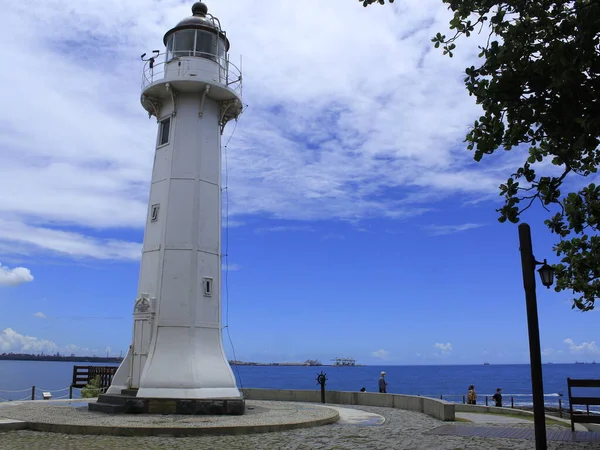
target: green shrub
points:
(92, 389)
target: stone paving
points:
(516, 433)
(401, 430)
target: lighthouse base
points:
(129, 403)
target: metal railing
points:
(229, 74)
(520, 401)
(36, 393)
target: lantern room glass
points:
(169, 54)
(198, 43)
(183, 44)
(206, 44)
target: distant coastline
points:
(288, 364)
(338, 362)
(250, 363)
(118, 360)
(57, 357)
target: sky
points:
(359, 224)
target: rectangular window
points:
(154, 212)
(165, 128)
(207, 282)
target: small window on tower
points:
(154, 212)
(207, 281)
(165, 127)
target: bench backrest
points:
(583, 400)
(83, 375)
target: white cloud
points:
(233, 223)
(548, 352)
(77, 245)
(231, 267)
(11, 341)
(279, 229)
(41, 315)
(381, 353)
(14, 277)
(445, 348)
(440, 230)
(585, 348)
(330, 128)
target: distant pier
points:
(344, 361)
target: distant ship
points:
(486, 363)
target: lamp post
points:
(528, 264)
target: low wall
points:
(440, 409)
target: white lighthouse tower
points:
(177, 350)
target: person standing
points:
(472, 396)
(382, 384)
(497, 397)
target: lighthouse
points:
(176, 362)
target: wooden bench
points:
(587, 401)
(82, 375)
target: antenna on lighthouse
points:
(151, 59)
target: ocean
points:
(449, 381)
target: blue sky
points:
(359, 224)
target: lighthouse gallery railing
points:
(229, 74)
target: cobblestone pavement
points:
(401, 430)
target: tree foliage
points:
(539, 88)
(369, 2)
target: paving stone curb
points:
(269, 417)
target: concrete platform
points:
(492, 418)
(357, 417)
(129, 403)
(499, 416)
(9, 425)
(73, 417)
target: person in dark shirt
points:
(472, 396)
(382, 384)
(497, 397)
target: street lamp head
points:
(546, 274)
